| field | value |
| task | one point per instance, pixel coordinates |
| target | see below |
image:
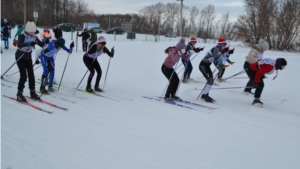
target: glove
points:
(32, 43)
(200, 49)
(37, 62)
(255, 85)
(47, 41)
(232, 63)
(225, 66)
(112, 52)
(72, 45)
(70, 51)
(48, 31)
(231, 51)
(45, 51)
(15, 43)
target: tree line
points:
(277, 21)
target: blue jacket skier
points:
(47, 61)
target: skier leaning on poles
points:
(91, 62)
(26, 41)
(190, 49)
(47, 60)
(219, 63)
(204, 67)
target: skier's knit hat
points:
(193, 40)
(30, 27)
(222, 42)
(101, 40)
(263, 44)
(181, 44)
(60, 42)
(279, 63)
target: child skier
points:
(258, 69)
(47, 61)
(174, 54)
(5, 33)
(91, 62)
(190, 49)
(26, 41)
(219, 63)
(204, 66)
(255, 54)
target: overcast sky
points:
(234, 7)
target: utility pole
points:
(181, 17)
(24, 12)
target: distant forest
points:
(277, 21)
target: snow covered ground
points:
(133, 132)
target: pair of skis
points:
(37, 107)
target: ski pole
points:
(15, 62)
(241, 72)
(170, 77)
(63, 72)
(106, 73)
(84, 75)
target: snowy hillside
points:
(128, 131)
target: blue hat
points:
(60, 42)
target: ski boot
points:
(20, 96)
(185, 80)
(51, 89)
(210, 97)
(89, 89)
(257, 101)
(34, 96)
(174, 97)
(206, 98)
(43, 89)
(97, 89)
(168, 99)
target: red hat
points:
(46, 27)
(193, 40)
(222, 42)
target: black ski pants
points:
(174, 81)
(250, 81)
(92, 65)
(260, 85)
(25, 68)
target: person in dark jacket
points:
(85, 35)
(26, 41)
(5, 32)
(57, 32)
(93, 37)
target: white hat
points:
(30, 27)
(263, 44)
(101, 39)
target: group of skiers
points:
(255, 66)
(50, 47)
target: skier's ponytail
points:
(168, 50)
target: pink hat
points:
(101, 39)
